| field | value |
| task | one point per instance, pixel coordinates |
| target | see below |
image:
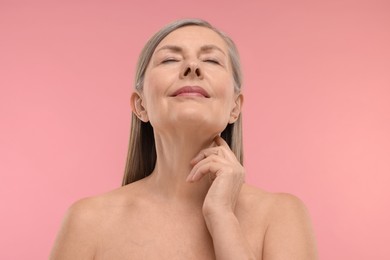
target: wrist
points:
(228, 239)
(219, 220)
(217, 210)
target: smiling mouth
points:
(191, 91)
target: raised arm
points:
(289, 234)
(221, 165)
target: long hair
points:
(141, 155)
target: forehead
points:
(194, 36)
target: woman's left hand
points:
(221, 166)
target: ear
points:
(236, 110)
(137, 105)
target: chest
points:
(156, 238)
(156, 247)
(161, 235)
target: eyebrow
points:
(173, 48)
(211, 47)
(204, 48)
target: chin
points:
(199, 123)
(191, 120)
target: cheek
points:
(226, 91)
(157, 81)
(151, 88)
(154, 91)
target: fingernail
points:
(193, 161)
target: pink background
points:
(316, 115)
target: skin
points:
(195, 204)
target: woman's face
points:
(189, 82)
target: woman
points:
(183, 194)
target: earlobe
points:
(235, 113)
(138, 107)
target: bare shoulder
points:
(94, 209)
(281, 205)
(286, 205)
(259, 199)
(289, 233)
(76, 238)
(83, 223)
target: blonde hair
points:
(141, 155)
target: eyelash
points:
(169, 60)
(212, 61)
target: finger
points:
(209, 168)
(219, 147)
(227, 151)
(211, 159)
(221, 142)
(200, 156)
(206, 153)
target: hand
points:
(226, 174)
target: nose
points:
(192, 70)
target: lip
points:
(191, 91)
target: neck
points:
(174, 153)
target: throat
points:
(173, 187)
(173, 165)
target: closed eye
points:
(169, 60)
(211, 61)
